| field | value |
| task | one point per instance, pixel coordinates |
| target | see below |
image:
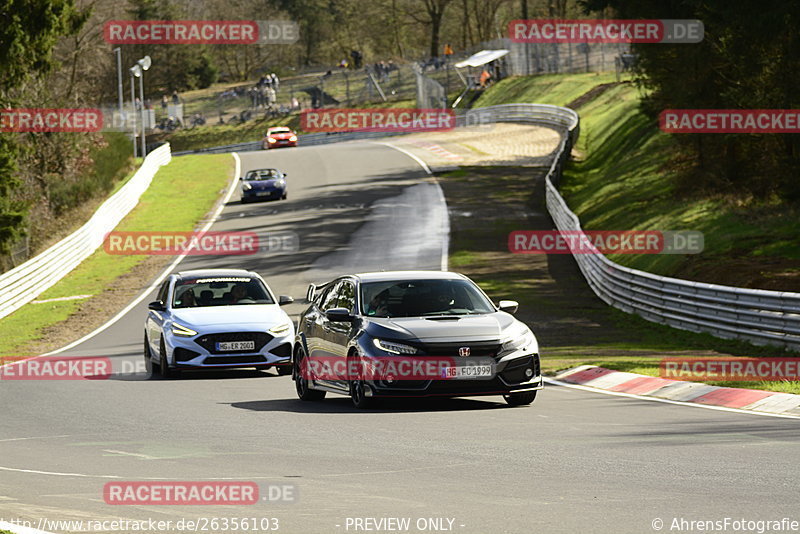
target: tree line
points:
(749, 59)
(53, 54)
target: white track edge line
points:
(555, 382)
(161, 277)
(446, 222)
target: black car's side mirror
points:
(508, 306)
(311, 292)
(241, 178)
(156, 305)
(339, 315)
(285, 299)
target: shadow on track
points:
(343, 405)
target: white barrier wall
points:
(27, 281)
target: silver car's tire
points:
(166, 372)
(149, 366)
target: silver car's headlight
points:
(394, 348)
(526, 340)
(180, 330)
(280, 329)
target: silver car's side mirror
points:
(508, 306)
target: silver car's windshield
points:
(415, 298)
(202, 292)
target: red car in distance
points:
(278, 137)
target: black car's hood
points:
(492, 326)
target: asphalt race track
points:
(574, 461)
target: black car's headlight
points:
(246, 186)
(520, 342)
(394, 348)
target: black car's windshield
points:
(262, 174)
(225, 291)
(416, 298)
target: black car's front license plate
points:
(230, 346)
(475, 370)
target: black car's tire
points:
(358, 392)
(166, 372)
(301, 383)
(522, 398)
(285, 196)
(243, 200)
(148, 360)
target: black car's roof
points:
(392, 276)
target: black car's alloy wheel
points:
(301, 382)
(358, 390)
(520, 399)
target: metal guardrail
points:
(755, 315)
(758, 316)
(27, 281)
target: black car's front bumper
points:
(512, 376)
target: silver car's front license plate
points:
(230, 346)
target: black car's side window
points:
(347, 296)
(330, 297)
(162, 292)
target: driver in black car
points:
(379, 305)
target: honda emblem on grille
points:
(463, 351)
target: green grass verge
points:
(623, 181)
(574, 327)
(555, 89)
(626, 182)
(180, 195)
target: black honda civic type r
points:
(412, 334)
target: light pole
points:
(136, 71)
(143, 64)
(118, 53)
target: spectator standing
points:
(276, 82)
(485, 79)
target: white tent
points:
(481, 58)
